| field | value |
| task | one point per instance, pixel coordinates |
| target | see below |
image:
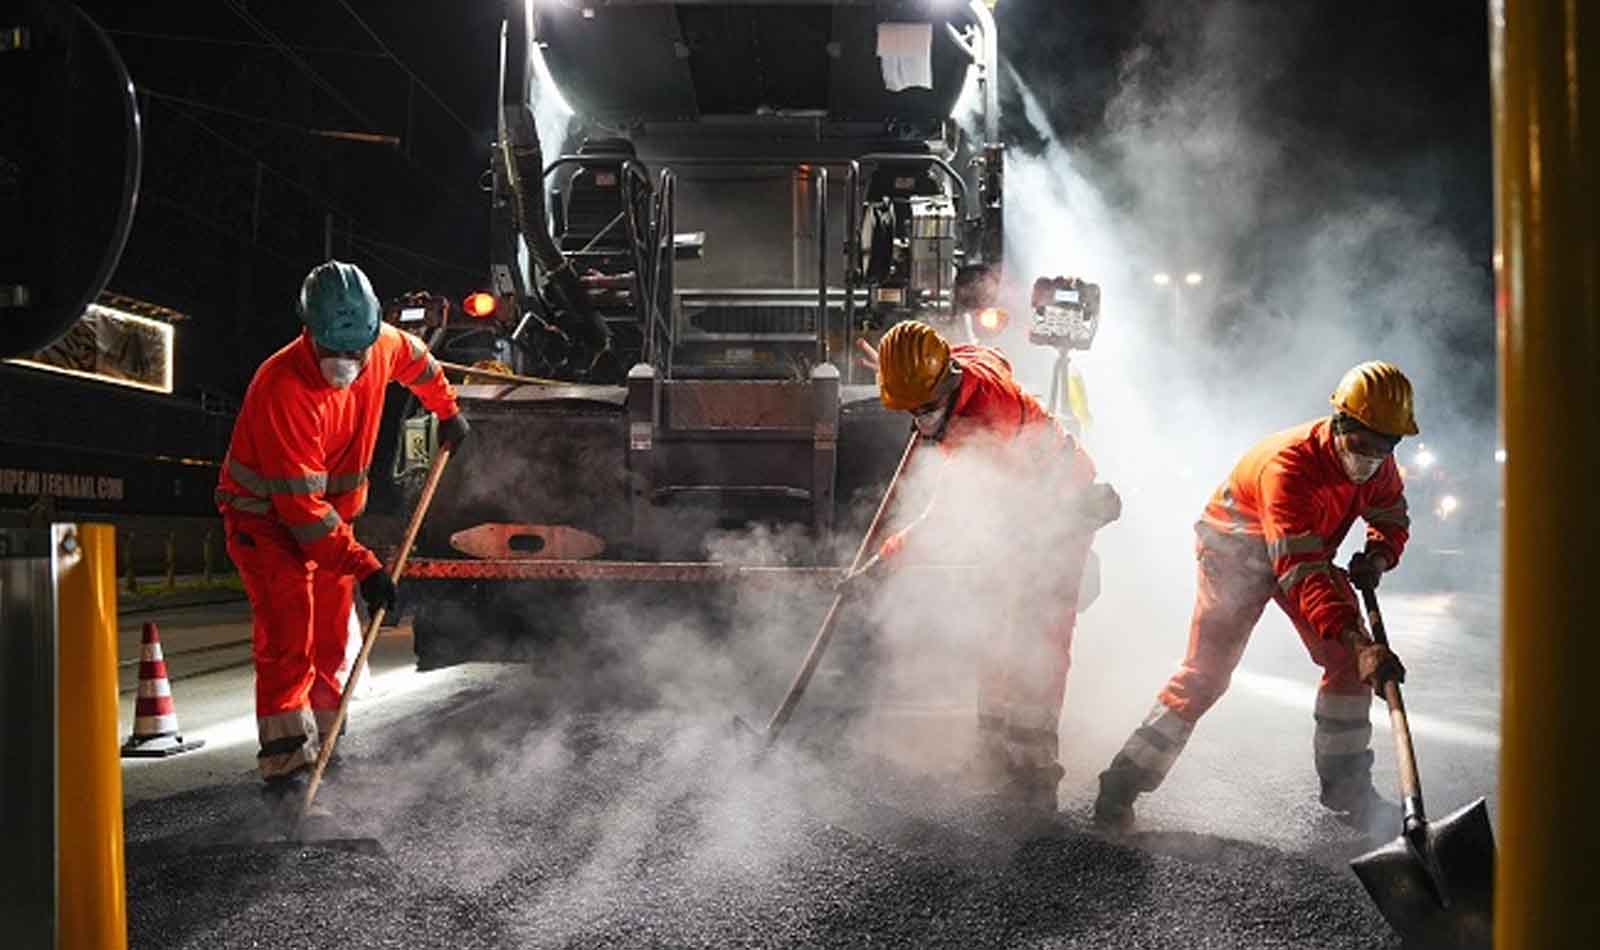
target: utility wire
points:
(265, 33)
(471, 132)
(406, 274)
(223, 41)
(317, 198)
(474, 272)
(277, 43)
(264, 120)
(162, 201)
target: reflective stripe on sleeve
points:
(346, 482)
(310, 483)
(418, 350)
(316, 530)
(1295, 544)
(430, 369)
(255, 506)
(1394, 514)
(1300, 572)
(1236, 520)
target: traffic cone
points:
(155, 718)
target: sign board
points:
(104, 483)
(112, 345)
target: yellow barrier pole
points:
(90, 884)
(1545, 70)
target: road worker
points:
(1270, 532)
(294, 480)
(1033, 540)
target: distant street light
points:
(1165, 279)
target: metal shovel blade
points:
(1440, 894)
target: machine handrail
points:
(629, 163)
(852, 257)
(819, 178)
(658, 318)
(906, 158)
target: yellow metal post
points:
(1545, 70)
(90, 881)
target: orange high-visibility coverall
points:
(1033, 466)
(1270, 532)
(294, 479)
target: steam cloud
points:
(1307, 269)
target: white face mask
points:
(931, 424)
(339, 371)
(1359, 467)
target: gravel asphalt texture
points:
(513, 820)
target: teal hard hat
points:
(339, 307)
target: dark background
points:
(1390, 99)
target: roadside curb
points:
(164, 601)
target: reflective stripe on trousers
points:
(302, 622)
(1231, 593)
(1153, 749)
(1022, 673)
(1343, 738)
(288, 742)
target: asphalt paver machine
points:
(698, 209)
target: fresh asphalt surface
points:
(576, 802)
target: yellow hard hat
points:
(1377, 395)
(912, 359)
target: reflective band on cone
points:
(155, 717)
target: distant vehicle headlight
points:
(1425, 459)
(1447, 506)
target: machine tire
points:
(431, 641)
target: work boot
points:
(1032, 789)
(284, 793)
(1113, 807)
(1358, 804)
(988, 771)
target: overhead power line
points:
(471, 132)
(316, 197)
(354, 136)
(224, 41)
(474, 272)
(277, 43)
(261, 29)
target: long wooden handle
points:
(802, 678)
(332, 738)
(1404, 753)
(489, 374)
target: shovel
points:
(328, 744)
(1434, 883)
(819, 644)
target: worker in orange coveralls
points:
(1270, 532)
(1047, 509)
(294, 479)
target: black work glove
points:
(1098, 505)
(453, 431)
(378, 590)
(1377, 664)
(1366, 569)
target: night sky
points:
(1398, 93)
